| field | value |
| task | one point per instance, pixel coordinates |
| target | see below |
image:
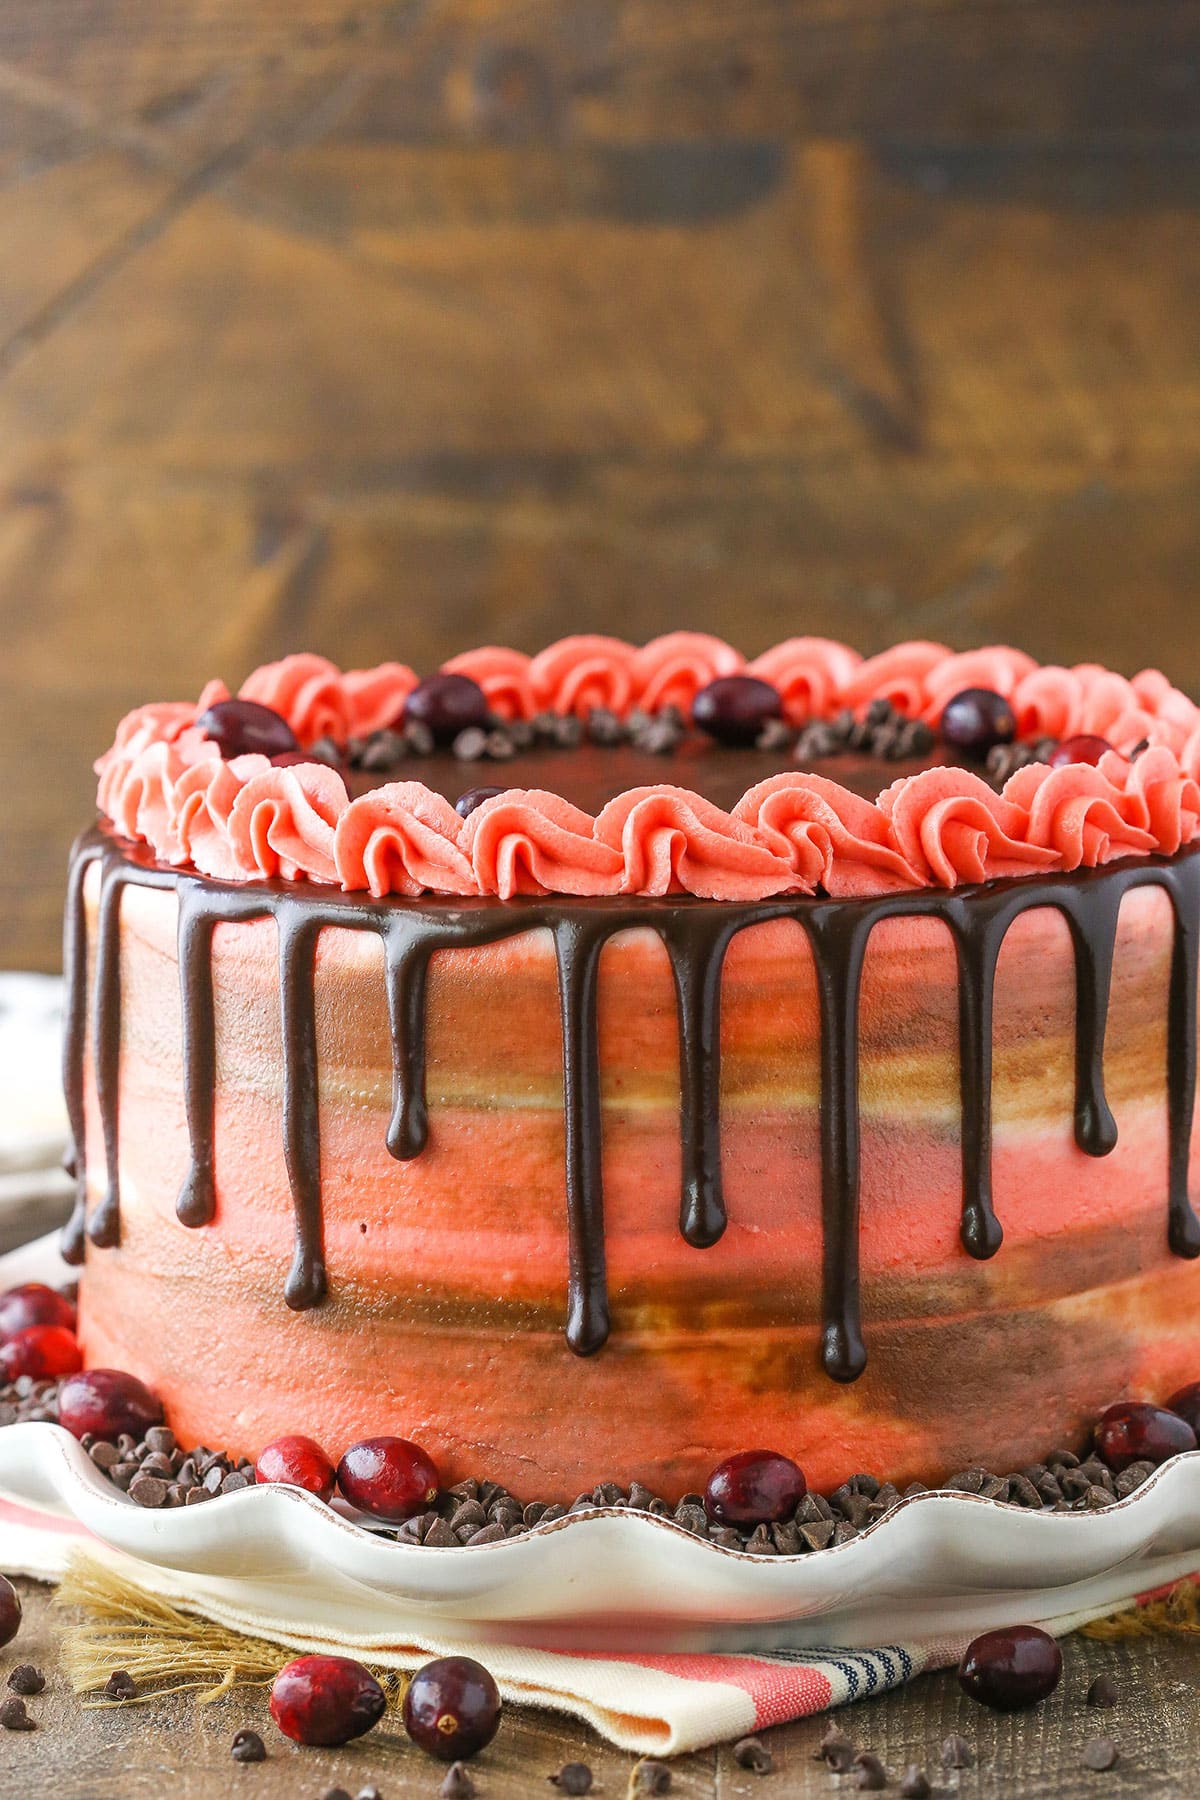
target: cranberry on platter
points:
(1186, 1402)
(10, 1611)
(389, 1478)
(1134, 1431)
(298, 1461)
(976, 721)
(1011, 1668)
(452, 1708)
(108, 1403)
(326, 1700)
(734, 708)
(244, 728)
(33, 1304)
(1083, 749)
(466, 803)
(446, 704)
(42, 1352)
(755, 1487)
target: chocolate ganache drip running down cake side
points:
(594, 1063)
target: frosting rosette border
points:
(164, 785)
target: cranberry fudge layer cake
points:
(590, 1064)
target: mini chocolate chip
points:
(871, 1773)
(120, 1685)
(1101, 1753)
(25, 1679)
(13, 1716)
(457, 1784)
(160, 1438)
(148, 1490)
(440, 1536)
(837, 1751)
(1103, 1692)
(248, 1747)
(490, 1534)
(104, 1455)
(915, 1784)
(573, 1778)
(470, 744)
(957, 1753)
(752, 1753)
(652, 1778)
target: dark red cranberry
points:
(466, 803)
(292, 759)
(326, 1700)
(452, 1708)
(389, 1478)
(298, 1461)
(1085, 749)
(33, 1304)
(734, 708)
(43, 1352)
(446, 704)
(108, 1403)
(10, 1611)
(244, 728)
(1016, 1666)
(976, 721)
(1134, 1431)
(1187, 1404)
(755, 1487)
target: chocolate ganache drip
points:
(696, 935)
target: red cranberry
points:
(976, 720)
(244, 727)
(447, 704)
(1085, 749)
(10, 1611)
(298, 1461)
(43, 1352)
(1016, 1666)
(755, 1487)
(1134, 1431)
(389, 1478)
(108, 1403)
(1187, 1404)
(326, 1700)
(466, 803)
(33, 1304)
(292, 759)
(734, 708)
(452, 1708)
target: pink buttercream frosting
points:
(532, 842)
(952, 827)
(402, 839)
(672, 842)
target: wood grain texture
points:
(391, 326)
(121, 1753)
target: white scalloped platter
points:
(937, 1563)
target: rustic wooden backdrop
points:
(390, 326)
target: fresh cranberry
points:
(33, 1304)
(1134, 1431)
(466, 803)
(108, 1403)
(43, 1352)
(755, 1487)
(1084, 749)
(1187, 1404)
(244, 728)
(1016, 1666)
(452, 1708)
(447, 704)
(976, 720)
(734, 708)
(389, 1478)
(10, 1611)
(326, 1700)
(292, 759)
(298, 1461)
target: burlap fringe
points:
(164, 1649)
(1178, 1613)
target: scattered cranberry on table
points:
(298, 1461)
(108, 1403)
(755, 1487)
(1186, 1402)
(466, 803)
(1134, 1431)
(10, 1611)
(389, 1478)
(1013, 1667)
(452, 1708)
(734, 708)
(1083, 749)
(43, 1352)
(326, 1700)
(976, 721)
(246, 728)
(446, 704)
(33, 1304)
